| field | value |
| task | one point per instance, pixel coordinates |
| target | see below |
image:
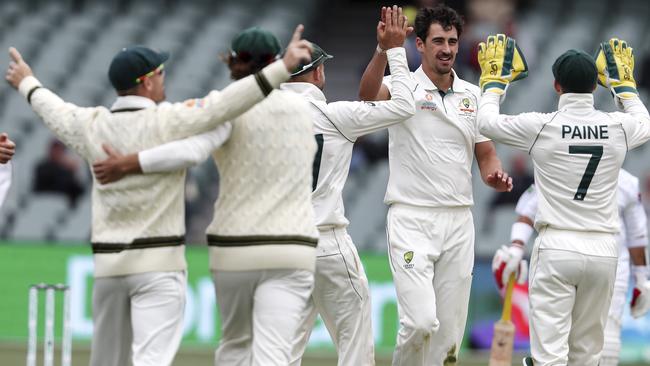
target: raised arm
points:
(356, 119)
(63, 119)
(371, 87)
(179, 120)
(615, 63)
(175, 155)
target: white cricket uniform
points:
(6, 172)
(430, 228)
(577, 153)
(341, 294)
(138, 222)
(634, 234)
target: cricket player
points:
(263, 235)
(138, 223)
(430, 227)
(632, 244)
(577, 154)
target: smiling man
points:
(430, 226)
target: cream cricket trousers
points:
(138, 319)
(431, 253)
(342, 298)
(612, 345)
(570, 294)
(260, 314)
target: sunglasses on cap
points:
(160, 70)
(245, 56)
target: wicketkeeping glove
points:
(502, 62)
(509, 260)
(615, 63)
(640, 303)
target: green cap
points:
(131, 63)
(256, 44)
(318, 56)
(576, 72)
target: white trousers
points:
(260, 314)
(138, 319)
(342, 298)
(570, 294)
(431, 253)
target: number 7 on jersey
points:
(596, 152)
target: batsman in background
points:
(632, 241)
(138, 223)
(430, 227)
(577, 154)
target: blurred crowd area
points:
(70, 43)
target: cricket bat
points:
(504, 332)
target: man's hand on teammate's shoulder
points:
(508, 260)
(116, 166)
(18, 69)
(502, 63)
(500, 181)
(298, 51)
(393, 28)
(615, 63)
(640, 303)
(7, 148)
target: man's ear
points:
(557, 87)
(419, 44)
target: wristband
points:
(521, 231)
(380, 50)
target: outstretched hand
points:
(109, 170)
(298, 51)
(393, 28)
(500, 181)
(18, 69)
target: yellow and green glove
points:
(502, 62)
(615, 63)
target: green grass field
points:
(14, 354)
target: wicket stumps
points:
(32, 324)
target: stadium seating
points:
(70, 51)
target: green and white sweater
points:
(264, 217)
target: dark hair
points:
(441, 14)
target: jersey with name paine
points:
(634, 232)
(577, 153)
(337, 125)
(431, 154)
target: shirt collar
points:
(132, 102)
(307, 90)
(576, 101)
(457, 85)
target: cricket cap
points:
(318, 56)
(131, 63)
(576, 72)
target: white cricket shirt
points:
(430, 155)
(577, 153)
(337, 125)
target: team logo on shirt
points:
(408, 257)
(466, 106)
(195, 103)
